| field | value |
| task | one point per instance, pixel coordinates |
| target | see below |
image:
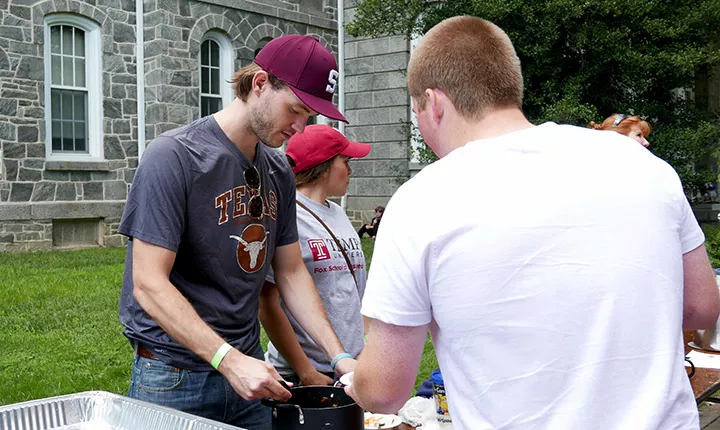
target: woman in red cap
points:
(332, 253)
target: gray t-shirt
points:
(190, 196)
(333, 281)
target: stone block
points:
(130, 147)
(10, 32)
(29, 175)
(390, 62)
(121, 126)
(113, 149)
(8, 132)
(4, 194)
(373, 116)
(15, 211)
(129, 107)
(115, 190)
(182, 78)
(33, 163)
(118, 91)
(357, 66)
(388, 150)
(390, 168)
(80, 176)
(43, 192)
(11, 169)
(358, 100)
(73, 166)
(390, 133)
(103, 176)
(8, 107)
(395, 97)
(123, 33)
(27, 133)
(65, 192)
(114, 64)
(93, 191)
(115, 241)
(30, 68)
(372, 47)
(112, 108)
(361, 168)
(36, 150)
(81, 209)
(360, 133)
(155, 113)
(20, 192)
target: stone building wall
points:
(377, 105)
(40, 199)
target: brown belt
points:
(145, 353)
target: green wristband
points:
(220, 354)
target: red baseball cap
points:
(307, 67)
(319, 143)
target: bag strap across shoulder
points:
(339, 245)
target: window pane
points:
(55, 39)
(204, 78)
(79, 43)
(216, 105)
(56, 133)
(55, 104)
(67, 105)
(67, 71)
(80, 137)
(67, 136)
(67, 48)
(56, 70)
(80, 106)
(214, 54)
(215, 81)
(204, 48)
(204, 110)
(79, 72)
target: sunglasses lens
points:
(252, 178)
(255, 207)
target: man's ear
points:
(260, 81)
(434, 102)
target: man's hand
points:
(315, 378)
(252, 378)
(346, 365)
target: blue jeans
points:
(205, 394)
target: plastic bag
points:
(417, 411)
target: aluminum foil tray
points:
(99, 410)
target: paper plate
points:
(381, 421)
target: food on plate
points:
(381, 421)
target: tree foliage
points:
(586, 59)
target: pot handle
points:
(278, 405)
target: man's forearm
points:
(280, 332)
(304, 304)
(171, 310)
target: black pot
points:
(317, 408)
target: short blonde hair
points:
(472, 61)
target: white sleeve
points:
(397, 287)
(691, 235)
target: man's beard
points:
(261, 125)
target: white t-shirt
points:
(556, 305)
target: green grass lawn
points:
(59, 328)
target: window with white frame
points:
(73, 113)
(215, 72)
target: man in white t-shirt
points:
(561, 311)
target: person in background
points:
(372, 228)
(332, 254)
(567, 316)
(631, 126)
(211, 206)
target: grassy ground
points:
(59, 328)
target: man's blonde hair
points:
(242, 81)
(472, 61)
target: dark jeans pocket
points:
(156, 376)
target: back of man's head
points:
(472, 61)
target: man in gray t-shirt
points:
(210, 208)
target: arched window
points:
(73, 113)
(215, 73)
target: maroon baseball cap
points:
(319, 143)
(307, 67)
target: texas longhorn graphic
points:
(252, 248)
